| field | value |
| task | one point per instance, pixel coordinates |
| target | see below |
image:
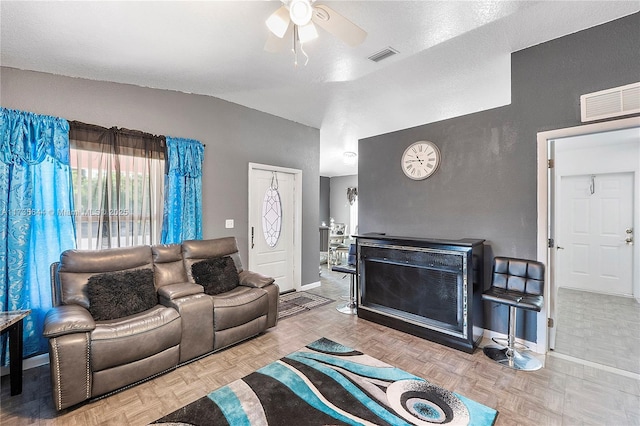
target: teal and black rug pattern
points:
(327, 383)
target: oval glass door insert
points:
(271, 216)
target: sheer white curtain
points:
(118, 181)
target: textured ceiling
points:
(454, 56)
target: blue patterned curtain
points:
(36, 223)
(182, 218)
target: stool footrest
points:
(502, 341)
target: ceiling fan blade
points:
(276, 44)
(279, 20)
(336, 24)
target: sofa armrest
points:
(254, 279)
(176, 291)
(67, 319)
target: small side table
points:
(11, 322)
(351, 307)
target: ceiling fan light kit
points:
(307, 33)
(303, 14)
(349, 158)
(300, 11)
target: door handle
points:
(252, 245)
(629, 239)
(559, 248)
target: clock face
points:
(420, 160)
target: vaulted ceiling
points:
(453, 56)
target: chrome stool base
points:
(350, 309)
(512, 358)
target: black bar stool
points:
(517, 283)
(350, 268)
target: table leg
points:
(15, 358)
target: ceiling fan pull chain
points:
(305, 55)
(294, 49)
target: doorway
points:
(275, 210)
(591, 187)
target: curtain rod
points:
(121, 130)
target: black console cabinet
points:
(426, 287)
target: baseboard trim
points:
(309, 286)
(27, 363)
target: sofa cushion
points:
(119, 294)
(124, 340)
(76, 266)
(194, 251)
(167, 264)
(217, 275)
(239, 306)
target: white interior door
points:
(595, 218)
(273, 219)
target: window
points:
(353, 218)
(118, 185)
(352, 196)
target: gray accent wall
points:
(486, 185)
(234, 136)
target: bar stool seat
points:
(519, 284)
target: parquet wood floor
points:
(562, 393)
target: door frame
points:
(297, 216)
(546, 254)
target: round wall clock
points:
(420, 160)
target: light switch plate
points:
(228, 223)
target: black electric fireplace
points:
(426, 287)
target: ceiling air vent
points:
(383, 54)
(609, 103)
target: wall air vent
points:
(610, 103)
(383, 54)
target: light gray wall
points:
(486, 184)
(339, 203)
(233, 135)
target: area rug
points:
(327, 383)
(298, 302)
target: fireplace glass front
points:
(424, 286)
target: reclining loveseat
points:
(124, 315)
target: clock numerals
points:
(420, 160)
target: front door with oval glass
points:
(271, 225)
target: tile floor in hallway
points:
(599, 328)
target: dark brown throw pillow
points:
(119, 294)
(217, 275)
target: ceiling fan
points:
(304, 16)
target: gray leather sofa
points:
(91, 358)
